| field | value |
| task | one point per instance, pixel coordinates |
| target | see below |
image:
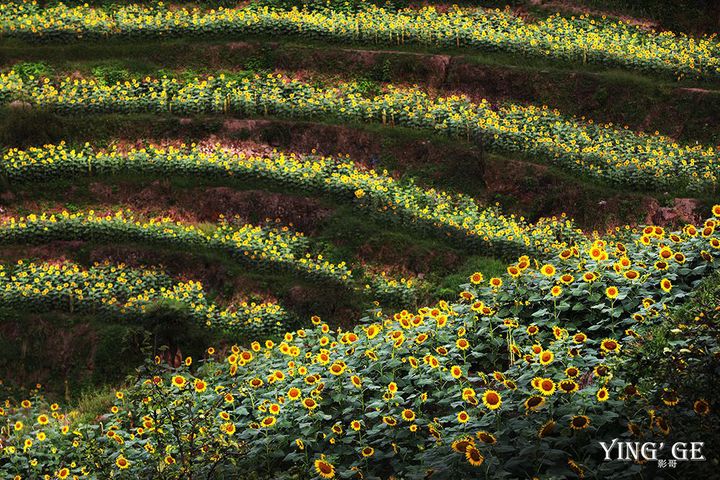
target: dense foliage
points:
(582, 39)
(431, 211)
(252, 246)
(584, 338)
(118, 292)
(599, 152)
(521, 377)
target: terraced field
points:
(287, 240)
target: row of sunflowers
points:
(430, 211)
(603, 153)
(257, 248)
(521, 377)
(583, 39)
(118, 292)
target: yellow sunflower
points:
(324, 468)
(492, 399)
(473, 456)
(579, 422)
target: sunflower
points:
(200, 386)
(462, 344)
(546, 386)
(556, 291)
(548, 270)
(534, 403)
(601, 370)
(356, 381)
(576, 468)
(568, 386)
(467, 393)
(589, 277)
(546, 357)
(473, 456)
(324, 468)
(179, 381)
(547, 429)
(632, 274)
(465, 295)
(486, 437)
(309, 403)
(670, 398)
(661, 265)
(372, 331)
(462, 444)
(294, 393)
(122, 463)
(43, 419)
(463, 417)
(716, 211)
(663, 425)
(63, 473)
(602, 395)
(456, 371)
(367, 452)
(477, 278)
(513, 271)
(390, 421)
(690, 230)
(572, 372)
(492, 399)
(609, 345)
(496, 282)
(612, 292)
(701, 406)
(579, 422)
(596, 253)
(268, 422)
(666, 285)
(408, 415)
(532, 330)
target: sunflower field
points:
(393, 259)
(600, 152)
(583, 39)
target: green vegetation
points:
(510, 254)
